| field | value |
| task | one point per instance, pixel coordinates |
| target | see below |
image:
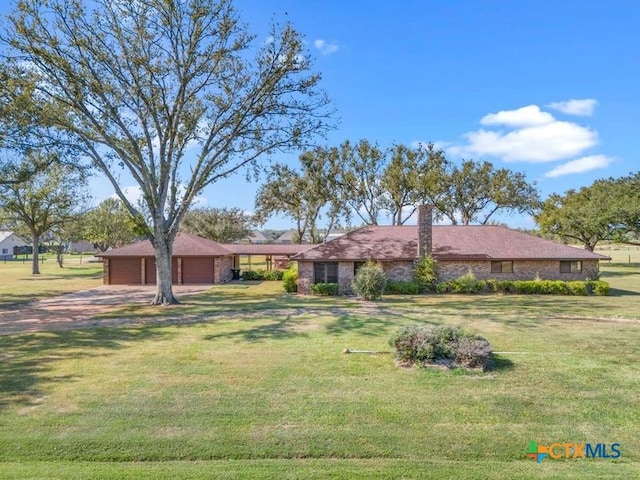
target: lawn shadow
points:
(277, 330)
(27, 360)
(498, 363)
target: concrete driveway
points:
(77, 309)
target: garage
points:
(125, 271)
(195, 261)
(197, 270)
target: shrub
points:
(578, 288)
(290, 280)
(426, 273)
(400, 287)
(442, 344)
(473, 352)
(369, 281)
(250, 275)
(600, 288)
(269, 275)
(468, 283)
(274, 275)
(324, 289)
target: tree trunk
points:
(164, 292)
(35, 269)
(59, 258)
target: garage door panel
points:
(197, 270)
(125, 271)
(150, 271)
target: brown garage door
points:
(197, 270)
(124, 271)
(150, 271)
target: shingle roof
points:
(450, 242)
(185, 245)
(266, 248)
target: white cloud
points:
(531, 135)
(522, 117)
(326, 48)
(583, 108)
(581, 165)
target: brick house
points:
(489, 251)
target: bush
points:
(251, 275)
(290, 280)
(369, 281)
(600, 288)
(426, 274)
(268, 275)
(324, 289)
(442, 344)
(400, 287)
(473, 352)
(468, 283)
(578, 288)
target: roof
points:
(185, 245)
(289, 235)
(450, 242)
(4, 234)
(266, 249)
(256, 236)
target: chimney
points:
(425, 230)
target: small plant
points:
(402, 287)
(426, 273)
(324, 289)
(369, 281)
(443, 345)
(468, 283)
(290, 280)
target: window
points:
(5, 250)
(325, 272)
(502, 267)
(571, 267)
(356, 267)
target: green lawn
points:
(19, 286)
(249, 383)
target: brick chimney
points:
(425, 230)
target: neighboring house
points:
(288, 237)
(256, 236)
(333, 236)
(195, 260)
(82, 246)
(9, 240)
(487, 251)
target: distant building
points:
(289, 238)
(256, 236)
(9, 240)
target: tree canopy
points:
(46, 201)
(608, 209)
(109, 225)
(224, 225)
(176, 94)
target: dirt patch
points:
(77, 309)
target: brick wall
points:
(398, 270)
(222, 269)
(345, 277)
(305, 277)
(522, 270)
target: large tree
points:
(408, 171)
(608, 209)
(109, 225)
(167, 91)
(358, 179)
(307, 197)
(475, 191)
(224, 225)
(43, 203)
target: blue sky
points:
(547, 88)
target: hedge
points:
(324, 289)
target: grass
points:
(254, 385)
(18, 286)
